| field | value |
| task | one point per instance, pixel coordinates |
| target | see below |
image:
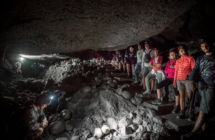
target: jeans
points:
(150, 77)
(136, 70)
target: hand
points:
(172, 66)
(192, 86)
(44, 124)
(175, 86)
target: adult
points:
(130, 58)
(205, 68)
(18, 66)
(119, 58)
(156, 72)
(169, 70)
(139, 62)
(146, 62)
(183, 68)
(30, 121)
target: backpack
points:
(147, 57)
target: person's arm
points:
(175, 74)
(167, 68)
(142, 62)
(195, 70)
(30, 119)
(192, 62)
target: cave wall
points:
(74, 25)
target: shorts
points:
(183, 85)
(146, 71)
(130, 61)
(207, 99)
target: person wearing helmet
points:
(32, 120)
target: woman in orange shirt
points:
(183, 68)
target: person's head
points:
(42, 101)
(118, 52)
(205, 47)
(147, 45)
(131, 49)
(140, 47)
(172, 54)
(182, 50)
(156, 51)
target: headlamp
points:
(21, 58)
(51, 97)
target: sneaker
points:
(146, 92)
(188, 136)
(181, 115)
(176, 109)
(157, 102)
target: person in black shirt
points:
(130, 58)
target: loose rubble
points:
(88, 104)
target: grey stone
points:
(57, 127)
(69, 126)
(126, 94)
(65, 114)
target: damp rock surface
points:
(46, 26)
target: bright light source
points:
(51, 97)
(21, 58)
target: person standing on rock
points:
(146, 62)
(139, 62)
(169, 70)
(205, 67)
(121, 65)
(130, 58)
(156, 73)
(18, 66)
(30, 121)
(183, 68)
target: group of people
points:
(183, 73)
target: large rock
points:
(57, 127)
(46, 26)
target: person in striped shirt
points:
(183, 68)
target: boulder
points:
(98, 133)
(69, 126)
(126, 94)
(57, 127)
(105, 129)
(112, 123)
(65, 114)
(86, 89)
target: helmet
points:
(42, 99)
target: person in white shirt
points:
(139, 62)
(146, 62)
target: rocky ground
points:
(89, 103)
